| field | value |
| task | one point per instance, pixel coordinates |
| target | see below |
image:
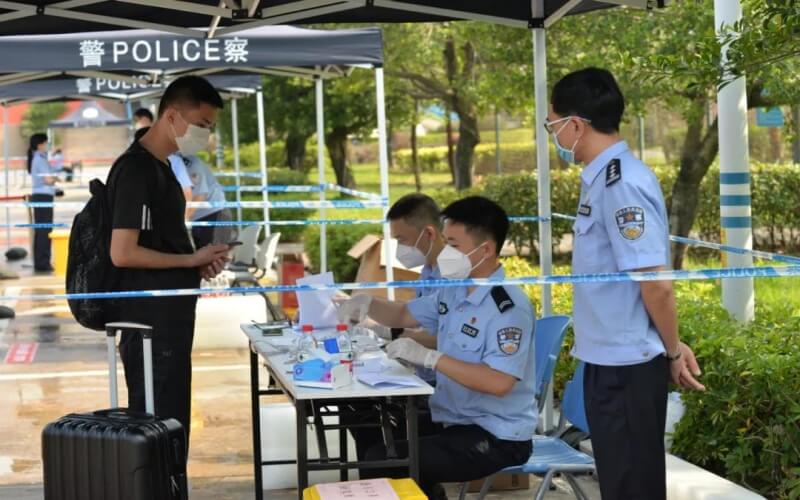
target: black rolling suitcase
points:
(116, 454)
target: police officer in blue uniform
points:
(483, 411)
(625, 332)
(415, 222)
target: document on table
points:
(316, 307)
(387, 372)
(374, 489)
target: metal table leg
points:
(413, 438)
(302, 448)
(343, 473)
(256, 418)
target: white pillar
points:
(323, 233)
(543, 189)
(6, 159)
(735, 212)
(383, 163)
(236, 164)
(262, 158)
(542, 164)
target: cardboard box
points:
(503, 482)
(373, 267)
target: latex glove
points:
(352, 310)
(415, 353)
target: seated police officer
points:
(482, 413)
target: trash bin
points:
(60, 240)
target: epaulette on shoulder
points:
(501, 299)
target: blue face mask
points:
(568, 155)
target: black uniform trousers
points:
(207, 235)
(626, 408)
(41, 236)
(172, 368)
(452, 454)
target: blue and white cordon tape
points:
(685, 275)
(311, 204)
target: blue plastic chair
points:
(551, 455)
(548, 337)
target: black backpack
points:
(89, 267)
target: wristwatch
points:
(673, 357)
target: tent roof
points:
(272, 49)
(81, 88)
(73, 16)
(89, 114)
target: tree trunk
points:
(414, 151)
(296, 151)
(775, 144)
(699, 151)
(468, 138)
(451, 163)
(796, 141)
(336, 142)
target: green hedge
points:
(514, 157)
(277, 176)
(746, 425)
(775, 192)
(276, 155)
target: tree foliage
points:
(39, 115)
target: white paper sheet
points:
(316, 307)
(386, 372)
(373, 489)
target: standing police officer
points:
(483, 412)
(625, 332)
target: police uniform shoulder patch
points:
(630, 222)
(585, 210)
(613, 172)
(442, 307)
(508, 339)
(501, 299)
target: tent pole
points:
(543, 188)
(262, 158)
(323, 234)
(236, 164)
(734, 175)
(383, 162)
(6, 158)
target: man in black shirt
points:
(151, 246)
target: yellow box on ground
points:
(60, 240)
(378, 489)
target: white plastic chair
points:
(262, 262)
(244, 255)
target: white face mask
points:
(412, 256)
(455, 265)
(195, 138)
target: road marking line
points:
(15, 377)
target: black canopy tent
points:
(235, 16)
(89, 114)
(135, 56)
(61, 88)
(228, 16)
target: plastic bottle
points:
(346, 354)
(306, 344)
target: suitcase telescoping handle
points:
(147, 350)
